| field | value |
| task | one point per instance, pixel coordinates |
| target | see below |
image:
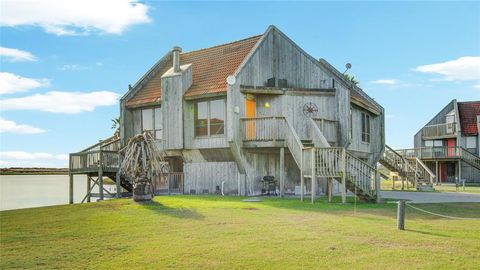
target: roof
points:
(468, 112)
(210, 68)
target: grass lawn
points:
(201, 232)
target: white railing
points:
(90, 161)
(270, 128)
(439, 130)
(328, 127)
(394, 159)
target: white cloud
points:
(477, 86)
(28, 159)
(385, 81)
(73, 68)
(12, 127)
(99, 64)
(74, 17)
(12, 83)
(61, 102)
(389, 115)
(16, 55)
(462, 69)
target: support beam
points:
(100, 175)
(118, 186)
(344, 175)
(459, 170)
(282, 172)
(436, 173)
(302, 180)
(89, 188)
(330, 189)
(314, 182)
(377, 187)
(70, 188)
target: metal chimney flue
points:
(176, 58)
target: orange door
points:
(250, 113)
(451, 147)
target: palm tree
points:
(351, 79)
(116, 126)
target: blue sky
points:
(412, 57)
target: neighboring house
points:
(449, 144)
(226, 116)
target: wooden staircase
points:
(411, 168)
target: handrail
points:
(270, 128)
(316, 134)
(329, 128)
(107, 141)
(293, 143)
(90, 161)
(426, 169)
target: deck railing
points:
(421, 170)
(361, 174)
(90, 161)
(328, 127)
(336, 161)
(441, 152)
(439, 130)
(270, 128)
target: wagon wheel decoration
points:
(310, 109)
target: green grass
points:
(449, 187)
(201, 232)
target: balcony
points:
(439, 131)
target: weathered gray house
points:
(228, 115)
(449, 144)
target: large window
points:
(152, 121)
(209, 118)
(365, 127)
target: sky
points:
(65, 66)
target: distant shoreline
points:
(33, 171)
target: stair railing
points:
(293, 143)
(470, 158)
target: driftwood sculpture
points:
(142, 161)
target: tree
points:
(116, 126)
(351, 79)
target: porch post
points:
(302, 180)
(344, 187)
(88, 188)
(436, 173)
(282, 172)
(118, 186)
(459, 170)
(314, 184)
(100, 175)
(70, 188)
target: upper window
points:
(428, 143)
(209, 118)
(365, 127)
(152, 121)
(471, 142)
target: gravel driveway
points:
(431, 197)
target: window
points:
(152, 121)
(209, 118)
(438, 143)
(471, 142)
(429, 143)
(365, 127)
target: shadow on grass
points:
(180, 212)
(427, 233)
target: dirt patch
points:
(250, 208)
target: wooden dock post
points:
(282, 172)
(70, 188)
(401, 215)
